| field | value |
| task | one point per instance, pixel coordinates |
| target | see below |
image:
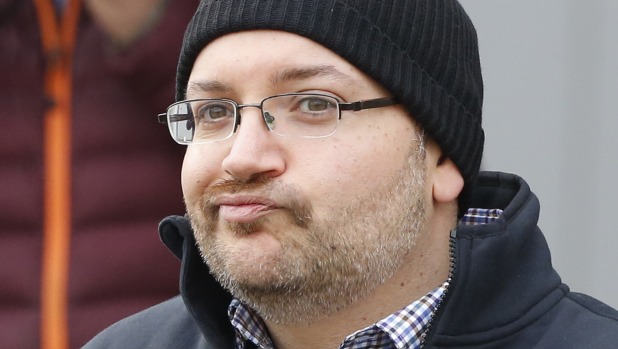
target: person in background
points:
(84, 172)
(333, 191)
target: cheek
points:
(198, 171)
(376, 152)
(351, 168)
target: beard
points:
(322, 264)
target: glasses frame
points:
(166, 118)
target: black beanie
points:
(424, 52)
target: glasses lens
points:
(201, 121)
(305, 115)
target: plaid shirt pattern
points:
(478, 216)
(402, 329)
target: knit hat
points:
(424, 52)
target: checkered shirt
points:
(478, 216)
(402, 329)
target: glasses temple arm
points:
(369, 104)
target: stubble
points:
(324, 264)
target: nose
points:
(255, 151)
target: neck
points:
(425, 268)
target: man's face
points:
(301, 227)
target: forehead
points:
(270, 58)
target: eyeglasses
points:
(307, 115)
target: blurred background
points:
(86, 172)
(551, 84)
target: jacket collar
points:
(503, 278)
(204, 298)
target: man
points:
(333, 196)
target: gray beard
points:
(325, 264)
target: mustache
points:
(288, 197)
(233, 186)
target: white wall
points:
(551, 91)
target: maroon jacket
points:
(124, 175)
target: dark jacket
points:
(504, 292)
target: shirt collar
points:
(403, 329)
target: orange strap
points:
(58, 42)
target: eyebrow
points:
(281, 76)
(303, 73)
(195, 87)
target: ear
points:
(447, 181)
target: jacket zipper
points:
(453, 261)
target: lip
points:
(244, 208)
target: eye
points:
(211, 111)
(317, 104)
